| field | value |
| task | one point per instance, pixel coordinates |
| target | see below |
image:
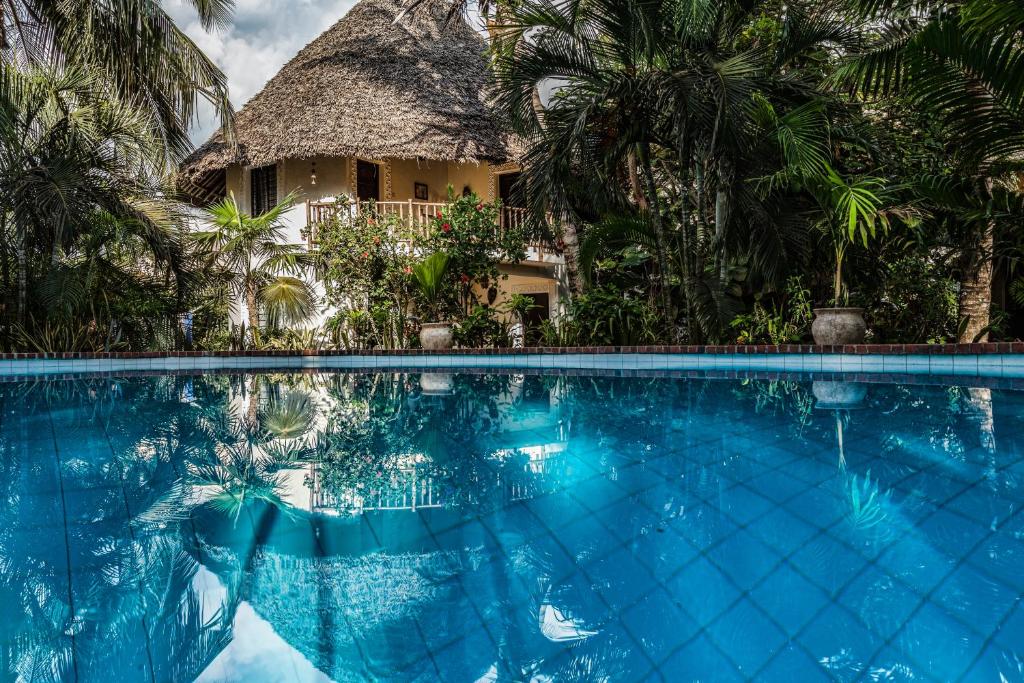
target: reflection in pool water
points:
(355, 527)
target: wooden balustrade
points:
(414, 215)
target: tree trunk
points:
(22, 282)
(252, 308)
(976, 290)
(571, 255)
(635, 189)
(659, 233)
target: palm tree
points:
(258, 266)
(656, 109)
(84, 217)
(143, 58)
(962, 60)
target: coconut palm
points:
(259, 266)
(963, 61)
(145, 60)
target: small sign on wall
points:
(421, 191)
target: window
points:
(507, 188)
(264, 189)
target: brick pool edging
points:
(977, 360)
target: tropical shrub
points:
(469, 231)
(482, 328)
(786, 321)
(916, 304)
(431, 275)
(605, 316)
(365, 261)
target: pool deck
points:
(993, 360)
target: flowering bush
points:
(470, 232)
(366, 265)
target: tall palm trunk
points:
(253, 311)
(571, 256)
(976, 290)
(22, 281)
(644, 154)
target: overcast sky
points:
(263, 35)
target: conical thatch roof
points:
(373, 88)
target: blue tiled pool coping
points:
(973, 360)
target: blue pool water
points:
(400, 527)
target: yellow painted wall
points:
(473, 175)
(331, 178)
(405, 173)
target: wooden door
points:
(367, 181)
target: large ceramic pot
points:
(436, 336)
(836, 326)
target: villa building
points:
(376, 110)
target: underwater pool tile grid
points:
(75, 578)
(836, 592)
(929, 602)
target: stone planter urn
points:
(436, 336)
(837, 326)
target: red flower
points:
(464, 278)
(446, 227)
(439, 214)
(408, 270)
(479, 207)
(365, 254)
(370, 221)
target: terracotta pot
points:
(836, 326)
(834, 395)
(436, 383)
(436, 336)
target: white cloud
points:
(262, 36)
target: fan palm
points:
(259, 266)
(144, 59)
(963, 61)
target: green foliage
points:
(431, 274)
(257, 265)
(605, 316)
(365, 263)
(88, 235)
(787, 322)
(482, 328)
(916, 304)
(468, 231)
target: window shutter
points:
(264, 189)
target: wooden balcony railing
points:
(414, 215)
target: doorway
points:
(367, 181)
(535, 316)
(506, 182)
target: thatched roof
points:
(369, 87)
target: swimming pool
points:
(402, 526)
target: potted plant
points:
(852, 213)
(430, 278)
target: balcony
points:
(417, 216)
